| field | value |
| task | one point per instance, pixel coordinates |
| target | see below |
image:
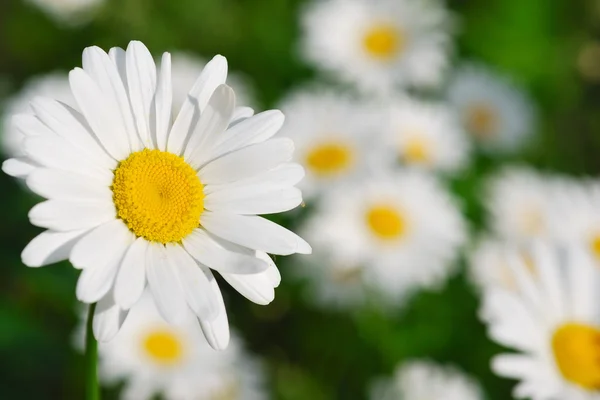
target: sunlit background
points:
(459, 131)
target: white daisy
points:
(185, 69)
(380, 44)
(68, 11)
(498, 115)
(420, 380)
(426, 136)
(333, 135)
(553, 323)
(136, 197)
(398, 232)
(175, 362)
(55, 85)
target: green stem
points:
(92, 390)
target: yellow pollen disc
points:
(577, 353)
(595, 245)
(329, 159)
(386, 222)
(158, 195)
(417, 151)
(163, 347)
(383, 41)
(481, 121)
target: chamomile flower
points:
(497, 114)
(379, 45)
(417, 380)
(398, 232)
(134, 197)
(175, 362)
(333, 134)
(68, 11)
(54, 84)
(553, 323)
(185, 69)
(426, 136)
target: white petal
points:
(30, 125)
(195, 283)
(213, 121)
(256, 288)
(285, 175)
(50, 247)
(64, 185)
(164, 102)
(18, 167)
(240, 114)
(272, 272)
(60, 215)
(119, 58)
(102, 115)
(213, 75)
(217, 331)
(247, 201)
(254, 232)
(250, 131)
(247, 162)
(108, 319)
(209, 251)
(131, 280)
(164, 284)
(141, 78)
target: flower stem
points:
(92, 390)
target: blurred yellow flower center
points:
(481, 121)
(386, 222)
(158, 195)
(532, 222)
(417, 150)
(577, 353)
(329, 158)
(163, 347)
(383, 41)
(595, 245)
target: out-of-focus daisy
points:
(136, 198)
(418, 380)
(72, 12)
(553, 323)
(175, 362)
(333, 135)
(497, 114)
(379, 45)
(399, 231)
(426, 136)
(55, 85)
(185, 69)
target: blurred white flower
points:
(396, 232)
(335, 137)
(379, 44)
(175, 362)
(72, 12)
(55, 85)
(426, 136)
(552, 321)
(497, 114)
(420, 380)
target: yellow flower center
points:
(383, 41)
(158, 195)
(577, 353)
(329, 159)
(595, 245)
(417, 150)
(386, 222)
(163, 347)
(481, 121)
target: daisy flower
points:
(497, 114)
(553, 323)
(68, 11)
(427, 136)
(417, 380)
(54, 84)
(135, 196)
(155, 358)
(333, 134)
(398, 231)
(379, 45)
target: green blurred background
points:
(550, 46)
